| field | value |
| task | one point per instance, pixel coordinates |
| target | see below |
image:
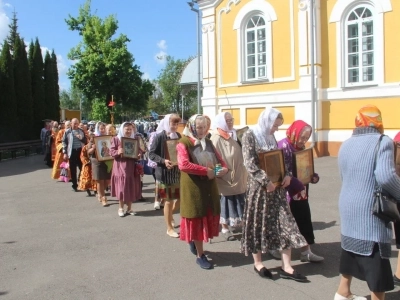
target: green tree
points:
(8, 111)
(23, 91)
(49, 88)
(56, 86)
(36, 68)
(169, 85)
(104, 66)
(100, 112)
(13, 35)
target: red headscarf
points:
(397, 137)
(294, 131)
(369, 116)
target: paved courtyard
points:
(58, 244)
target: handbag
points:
(385, 206)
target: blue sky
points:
(155, 28)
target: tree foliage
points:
(13, 35)
(56, 104)
(8, 111)
(100, 111)
(104, 66)
(23, 90)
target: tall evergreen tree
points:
(8, 105)
(56, 86)
(13, 36)
(36, 68)
(49, 89)
(23, 91)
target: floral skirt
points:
(168, 192)
(200, 229)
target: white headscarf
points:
(121, 131)
(220, 122)
(266, 120)
(164, 125)
(97, 128)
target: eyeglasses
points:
(230, 120)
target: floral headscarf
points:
(164, 125)
(220, 124)
(295, 130)
(121, 131)
(266, 120)
(369, 116)
(190, 131)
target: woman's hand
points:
(168, 164)
(210, 173)
(65, 157)
(286, 181)
(120, 151)
(222, 172)
(315, 178)
(270, 187)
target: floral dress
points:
(268, 222)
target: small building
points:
(257, 53)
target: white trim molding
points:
(381, 6)
(253, 6)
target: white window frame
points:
(345, 38)
(339, 15)
(266, 11)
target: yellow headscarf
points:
(369, 116)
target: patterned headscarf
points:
(121, 131)
(220, 124)
(369, 116)
(295, 130)
(190, 131)
(262, 130)
(164, 125)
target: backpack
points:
(151, 163)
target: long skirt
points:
(85, 180)
(232, 208)
(200, 229)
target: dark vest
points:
(198, 193)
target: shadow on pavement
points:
(22, 165)
(3, 293)
(323, 225)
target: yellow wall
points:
(328, 46)
(288, 113)
(340, 114)
(235, 112)
(281, 49)
(392, 43)
(252, 115)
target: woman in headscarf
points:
(268, 222)
(366, 239)
(125, 178)
(101, 170)
(167, 172)
(232, 186)
(200, 206)
(297, 136)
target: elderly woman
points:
(200, 206)
(268, 222)
(366, 239)
(167, 172)
(297, 136)
(125, 178)
(232, 186)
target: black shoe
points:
(396, 280)
(192, 248)
(295, 276)
(89, 193)
(75, 189)
(264, 272)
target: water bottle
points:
(217, 168)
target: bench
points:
(27, 146)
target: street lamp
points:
(191, 4)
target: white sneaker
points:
(157, 205)
(121, 212)
(131, 212)
(275, 254)
(352, 297)
(311, 257)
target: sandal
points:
(228, 236)
(104, 201)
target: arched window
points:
(256, 48)
(359, 46)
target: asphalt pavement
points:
(59, 244)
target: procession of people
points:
(221, 185)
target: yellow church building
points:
(258, 53)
